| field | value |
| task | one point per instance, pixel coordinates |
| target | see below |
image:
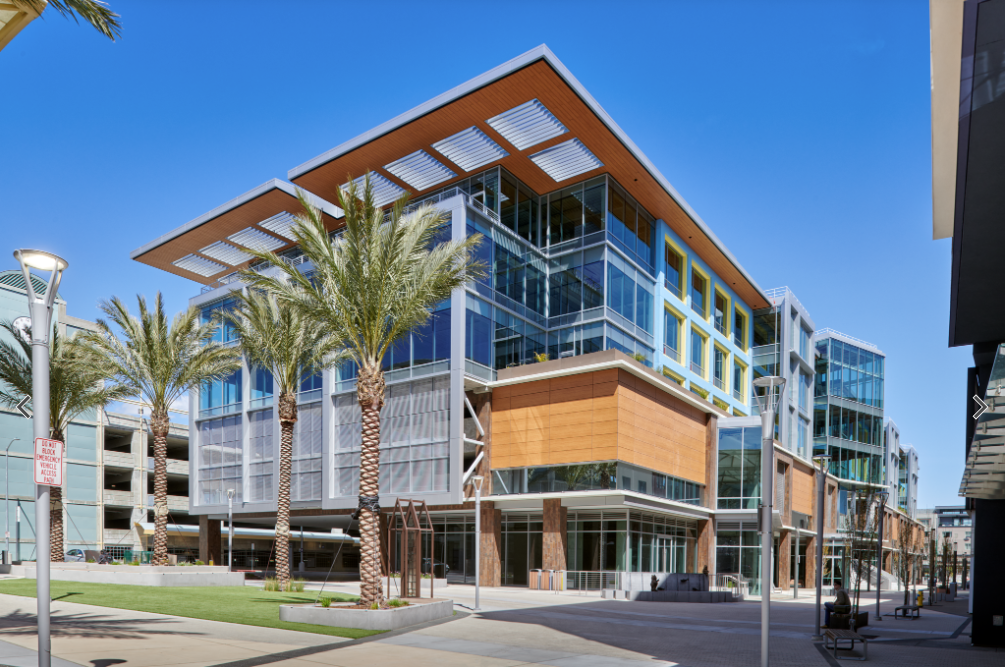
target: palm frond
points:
(380, 280)
(95, 12)
(158, 360)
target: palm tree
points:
(372, 286)
(94, 12)
(75, 387)
(277, 338)
(159, 361)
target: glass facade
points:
(591, 476)
(848, 420)
(630, 541)
(739, 468)
(738, 551)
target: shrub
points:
(199, 562)
(91, 560)
(397, 602)
(374, 606)
(326, 601)
(297, 585)
(271, 585)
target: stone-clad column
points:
(705, 544)
(809, 563)
(556, 521)
(784, 560)
(210, 545)
(491, 547)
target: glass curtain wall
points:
(739, 468)
(591, 476)
(738, 551)
(630, 541)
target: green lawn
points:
(245, 605)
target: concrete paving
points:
(514, 627)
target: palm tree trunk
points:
(370, 393)
(287, 419)
(56, 546)
(159, 426)
(56, 524)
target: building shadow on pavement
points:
(87, 625)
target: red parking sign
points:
(48, 462)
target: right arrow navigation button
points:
(982, 408)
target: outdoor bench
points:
(835, 635)
(912, 609)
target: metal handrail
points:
(585, 581)
(672, 353)
(673, 289)
(697, 368)
(737, 394)
(720, 325)
(719, 383)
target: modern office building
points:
(784, 345)
(631, 449)
(953, 523)
(968, 193)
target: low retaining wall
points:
(670, 596)
(367, 619)
(138, 575)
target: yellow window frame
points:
(726, 313)
(704, 353)
(675, 377)
(681, 319)
(684, 279)
(745, 346)
(706, 293)
(726, 365)
(743, 379)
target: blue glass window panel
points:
(478, 331)
(225, 331)
(620, 292)
(593, 337)
(593, 284)
(730, 438)
(310, 382)
(261, 384)
(671, 330)
(644, 308)
(697, 349)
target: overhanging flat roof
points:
(247, 210)
(537, 74)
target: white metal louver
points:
(196, 264)
(420, 170)
(280, 224)
(225, 252)
(255, 239)
(566, 160)
(384, 191)
(470, 149)
(527, 125)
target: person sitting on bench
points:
(840, 599)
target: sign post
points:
(48, 462)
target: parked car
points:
(439, 568)
(74, 556)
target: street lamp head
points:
(477, 481)
(231, 493)
(41, 260)
(772, 387)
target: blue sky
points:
(799, 131)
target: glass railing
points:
(672, 353)
(696, 368)
(738, 340)
(719, 384)
(220, 410)
(673, 289)
(720, 326)
(738, 395)
(263, 402)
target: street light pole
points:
(6, 500)
(767, 402)
(40, 309)
(822, 461)
(477, 480)
(883, 495)
(230, 529)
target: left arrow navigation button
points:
(25, 412)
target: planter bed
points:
(136, 575)
(417, 611)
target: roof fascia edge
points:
(254, 193)
(538, 53)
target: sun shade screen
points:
(566, 160)
(384, 191)
(470, 149)
(280, 224)
(420, 170)
(200, 265)
(527, 125)
(254, 239)
(225, 253)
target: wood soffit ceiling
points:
(537, 80)
(246, 215)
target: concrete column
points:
(784, 559)
(705, 544)
(491, 547)
(556, 521)
(210, 546)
